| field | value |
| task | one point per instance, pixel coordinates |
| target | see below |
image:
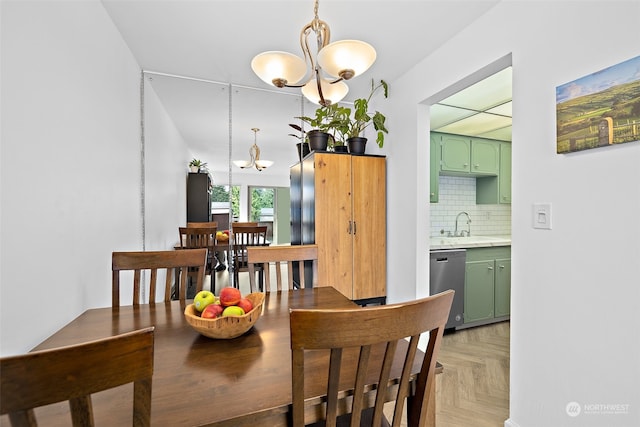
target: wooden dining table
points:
(199, 381)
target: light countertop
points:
(469, 242)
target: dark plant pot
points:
(303, 149)
(340, 149)
(357, 144)
(318, 140)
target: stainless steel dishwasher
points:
(447, 272)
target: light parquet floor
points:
(473, 389)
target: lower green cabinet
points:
(503, 287)
(478, 291)
(487, 287)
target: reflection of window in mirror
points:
(220, 206)
(270, 206)
(235, 202)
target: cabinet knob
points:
(489, 268)
(476, 166)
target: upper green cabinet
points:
(434, 168)
(486, 159)
(455, 153)
(504, 177)
(464, 155)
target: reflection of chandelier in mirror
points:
(254, 153)
(340, 60)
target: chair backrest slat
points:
(76, 372)
(179, 260)
(376, 328)
(265, 256)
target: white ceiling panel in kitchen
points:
(482, 109)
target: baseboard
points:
(510, 423)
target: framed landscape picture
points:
(600, 109)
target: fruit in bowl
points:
(222, 236)
(236, 322)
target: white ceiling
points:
(215, 40)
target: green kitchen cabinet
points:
(455, 154)
(462, 155)
(434, 165)
(485, 156)
(479, 289)
(504, 176)
(502, 295)
(496, 189)
(487, 287)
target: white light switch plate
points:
(542, 215)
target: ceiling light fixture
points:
(333, 63)
(254, 153)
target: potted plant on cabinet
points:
(318, 137)
(196, 165)
(362, 118)
(303, 145)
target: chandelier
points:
(254, 154)
(334, 63)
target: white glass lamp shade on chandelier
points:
(320, 76)
(254, 156)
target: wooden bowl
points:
(226, 327)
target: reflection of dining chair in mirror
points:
(76, 372)
(220, 256)
(282, 257)
(241, 238)
(201, 237)
(176, 263)
(342, 333)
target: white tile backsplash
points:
(458, 194)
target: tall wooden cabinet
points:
(344, 213)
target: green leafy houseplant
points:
(195, 163)
(362, 118)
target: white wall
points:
(575, 292)
(70, 113)
(165, 165)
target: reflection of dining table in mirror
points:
(245, 381)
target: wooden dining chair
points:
(201, 237)
(294, 257)
(369, 329)
(76, 372)
(244, 224)
(241, 238)
(216, 258)
(176, 264)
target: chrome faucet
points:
(455, 233)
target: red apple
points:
(245, 304)
(212, 311)
(229, 296)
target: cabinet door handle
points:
(501, 266)
(489, 268)
(476, 166)
(350, 228)
(354, 228)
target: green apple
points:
(203, 299)
(233, 310)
